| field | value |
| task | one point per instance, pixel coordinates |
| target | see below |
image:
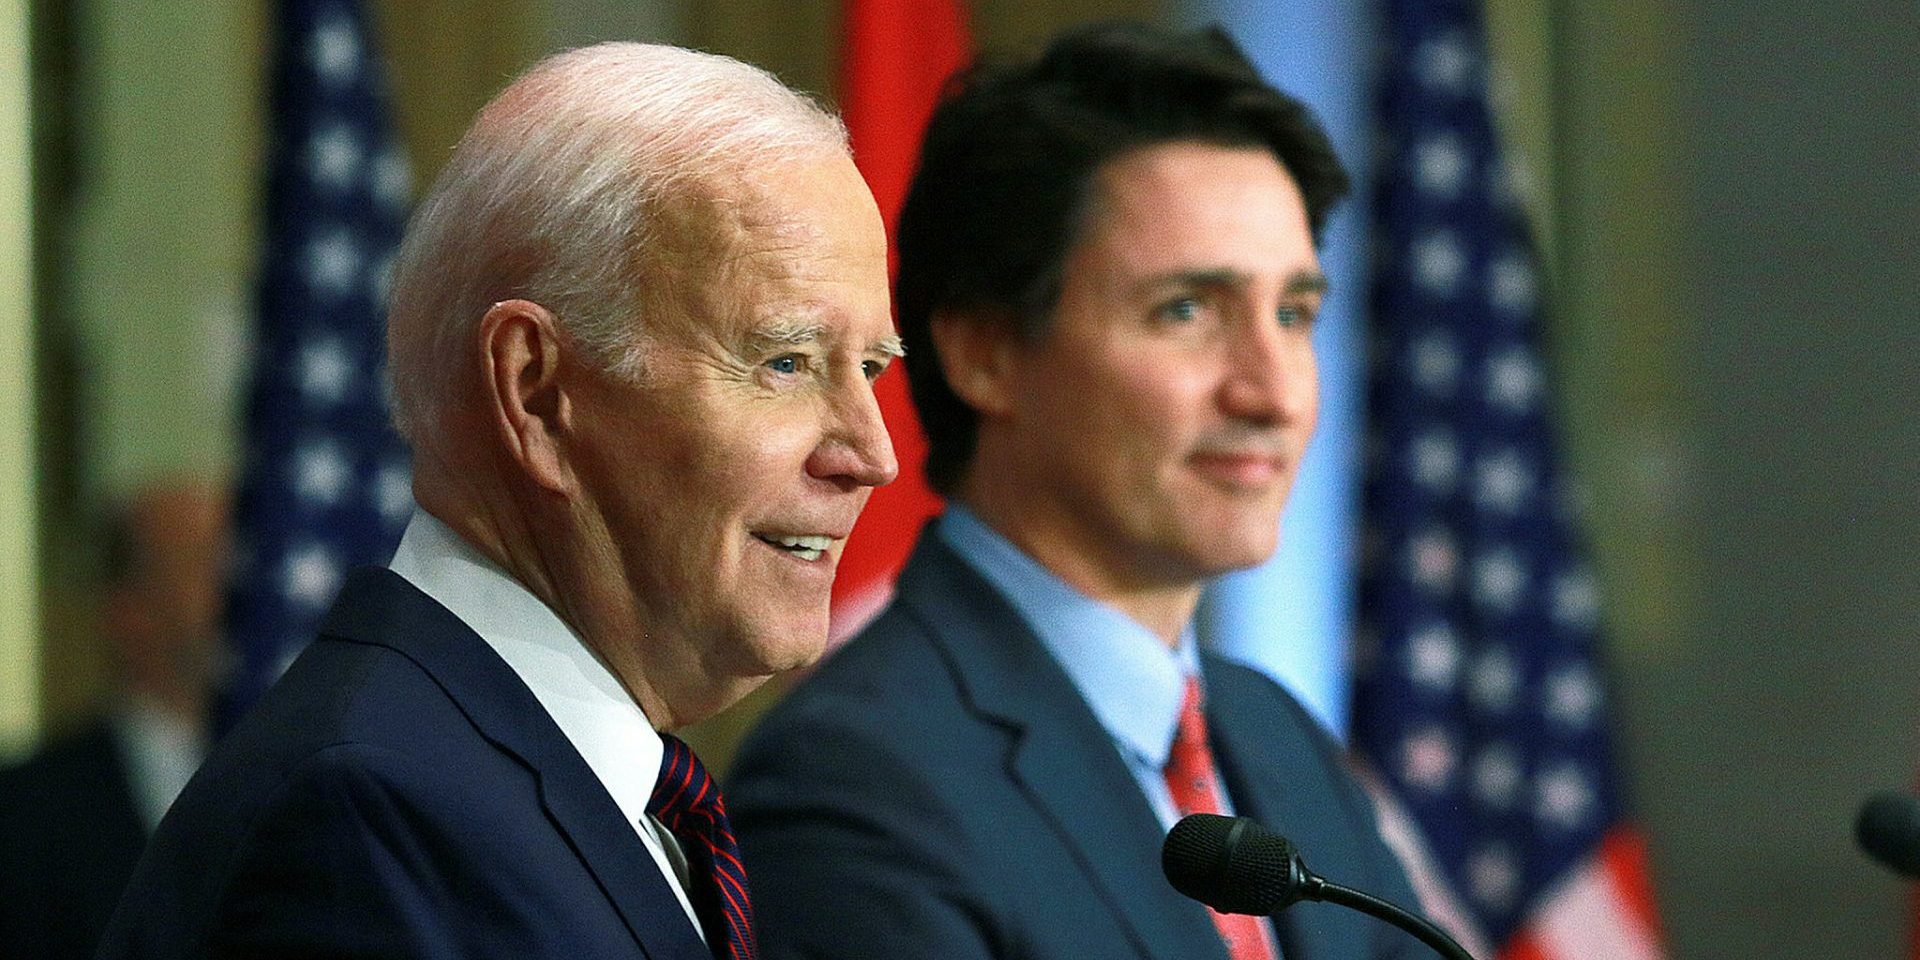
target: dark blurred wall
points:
(447, 59)
(1795, 690)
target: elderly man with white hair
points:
(634, 330)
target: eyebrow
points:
(793, 333)
(788, 333)
(1298, 284)
(1308, 281)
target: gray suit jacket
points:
(940, 791)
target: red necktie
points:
(688, 802)
(1195, 788)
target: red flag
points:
(895, 57)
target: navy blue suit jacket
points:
(939, 790)
(398, 793)
(69, 837)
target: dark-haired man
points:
(1107, 287)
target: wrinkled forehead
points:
(798, 221)
(717, 215)
(702, 236)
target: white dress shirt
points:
(582, 696)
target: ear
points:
(529, 408)
(977, 353)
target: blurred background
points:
(1726, 195)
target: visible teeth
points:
(805, 543)
(806, 548)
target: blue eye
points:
(788, 363)
(1183, 310)
(1290, 316)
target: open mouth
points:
(807, 547)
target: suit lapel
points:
(1254, 753)
(380, 607)
(1062, 760)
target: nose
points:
(856, 450)
(1272, 379)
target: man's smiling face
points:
(728, 477)
(1157, 425)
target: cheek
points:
(1159, 406)
(664, 478)
(746, 459)
(1129, 430)
(1120, 410)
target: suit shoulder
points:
(895, 649)
(330, 839)
(882, 713)
(341, 691)
(345, 721)
(1249, 688)
(370, 789)
(867, 681)
(318, 790)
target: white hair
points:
(551, 197)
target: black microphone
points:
(1889, 830)
(1235, 865)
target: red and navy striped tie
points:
(688, 802)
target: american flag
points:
(326, 482)
(1479, 704)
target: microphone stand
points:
(1235, 865)
(1315, 887)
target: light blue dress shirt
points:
(1126, 674)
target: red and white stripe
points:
(1403, 837)
(1602, 911)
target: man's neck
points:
(598, 604)
(1162, 605)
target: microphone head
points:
(1232, 864)
(1889, 830)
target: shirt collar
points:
(582, 696)
(1126, 674)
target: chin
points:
(1232, 550)
(778, 648)
(797, 655)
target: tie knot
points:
(684, 788)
